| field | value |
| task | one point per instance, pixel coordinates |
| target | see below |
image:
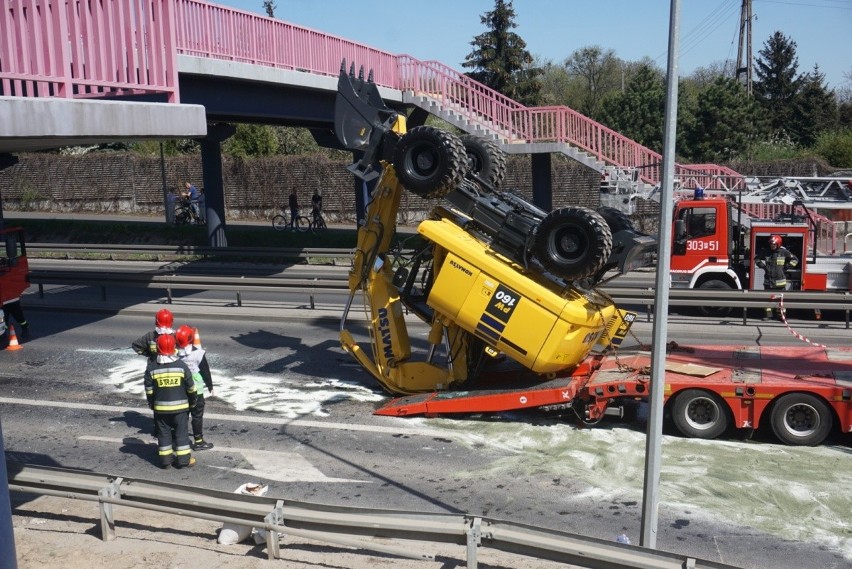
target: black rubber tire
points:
(616, 219)
(801, 419)
(485, 159)
(700, 414)
(429, 162)
(318, 225)
(279, 223)
(302, 223)
(182, 216)
(714, 311)
(572, 243)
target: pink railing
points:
(78, 49)
(96, 48)
(208, 30)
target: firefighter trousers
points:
(173, 438)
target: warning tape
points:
(780, 299)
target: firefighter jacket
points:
(775, 266)
(147, 344)
(169, 386)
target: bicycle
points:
(317, 222)
(185, 213)
(281, 222)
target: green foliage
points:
(29, 197)
(500, 59)
(835, 146)
(775, 149)
(252, 140)
(777, 85)
(600, 71)
(172, 147)
(814, 110)
(638, 112)
(725, 122)
(292, 141)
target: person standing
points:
(170, 391)
(775, 265)
(195, 359)
(12, 309)
(293, 202)
(191, 193)
(316, 205)
(147, 345)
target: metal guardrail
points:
(624, 296)
(340, 525)
(158, 251)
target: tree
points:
(500, 59)
(726, 120)
(269, 6)
(777, 84)
(638, 112)
(814, 109)
(601, 72)
(252, 140)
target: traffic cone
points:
(196, 340)
(13, 340)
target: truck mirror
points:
(680, 230)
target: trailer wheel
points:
(430, 162)
(485, 159)
(700, 414)
(801, 419)
(572, 243)
(715, 311)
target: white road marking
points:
(242, 418)
(271, 465)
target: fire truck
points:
(14, 270)
(715, 243)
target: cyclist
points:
(191, 194)
(316, 209)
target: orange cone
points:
(196, 340)
(13, 340)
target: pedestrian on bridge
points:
(170, 391)
(195, 358)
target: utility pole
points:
(744, 68)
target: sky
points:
(709, 29)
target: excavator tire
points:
(430, 162)
(573, 243)
(616, 219)
(485, 159)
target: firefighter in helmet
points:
(196, 360)
(170, 391)
(775, 264)
(147, 344)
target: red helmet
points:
(184, 336)
(164, 318)
(165, 344)
(775, 241)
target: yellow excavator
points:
(497, 280)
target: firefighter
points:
(195, 359)
(147, 344)
(170, 391)
(775, 265)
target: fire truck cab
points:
(14, 270)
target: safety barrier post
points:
(110, 492)
(474, 540)
(274, 518)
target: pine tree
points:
(815, 109)
(726, 120)
(500, 59)
(638, 112)
(778, 84)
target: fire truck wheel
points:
(430, 162)
(801, 419)
(700, 414)
(715, 311)
(572, 243)
(485, 159)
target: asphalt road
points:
(292, 410)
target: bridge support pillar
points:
(214, 191)
(542, 182)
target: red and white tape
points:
(780, 299)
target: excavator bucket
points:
(362, 121)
